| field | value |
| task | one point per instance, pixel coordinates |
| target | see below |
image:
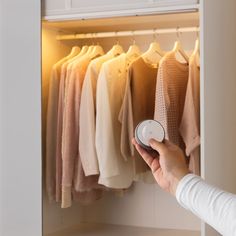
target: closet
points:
(143, 205)
(25, 70)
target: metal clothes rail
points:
(127, 33)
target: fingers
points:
(158, 146)
(151, 161)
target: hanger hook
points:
(177, 33)
(117, 41)
(96, 38)
(197, 32)
(155, 34)
(133, 35)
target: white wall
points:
(20, 122)
(218, 94)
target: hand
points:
(169, 167)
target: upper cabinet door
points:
(79, 9)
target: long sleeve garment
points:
(212, 205)
(170, 96)
(138, 105)
(72, 173)
(65, 74)
(115, 171)
(190, 123)
(87, 119)
(51, 127)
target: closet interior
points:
(144, 209)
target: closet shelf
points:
(86, 229)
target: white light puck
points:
(149, 129)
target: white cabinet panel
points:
(76, 9)
(20, 119)
(54, 5)
(218, 94)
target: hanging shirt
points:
(51, 128)
(170, 96)
(190, 124)
(87, 147)
(71, 167)
(138, 105)
(115, 171)
(65, 74)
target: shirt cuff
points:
(183, 186)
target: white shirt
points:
(87, 147)
(212, 205)
(115, 171)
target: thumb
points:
(158, 146)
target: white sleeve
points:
(212, 205)
(104, 137)
(87, 148)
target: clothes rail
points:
(127, 33)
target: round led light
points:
(149, 129)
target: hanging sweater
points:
(73, 176)
(51, 128)
(170, 96)
(190, 123)
(138, 105)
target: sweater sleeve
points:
(69, 142)
(212, 205)
(87, 148)
(126, 119)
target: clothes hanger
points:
(197, 45)
(89, 51)
(196, 50)
(178, 48)
(115, 50)
(83, 50)
(154, 52)
(74, 51)
(97, 51)
(81, 53)
(133, 50)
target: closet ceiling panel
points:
(125, 23)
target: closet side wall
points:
(20, 119)
(54, 218)
(218, 94)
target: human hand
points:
(169, 167)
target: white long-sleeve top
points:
(212, 205)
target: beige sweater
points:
(170, 96)
(138, 105)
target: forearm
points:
(212, 205)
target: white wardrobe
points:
(29, 48)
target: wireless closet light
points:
(149, 129)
